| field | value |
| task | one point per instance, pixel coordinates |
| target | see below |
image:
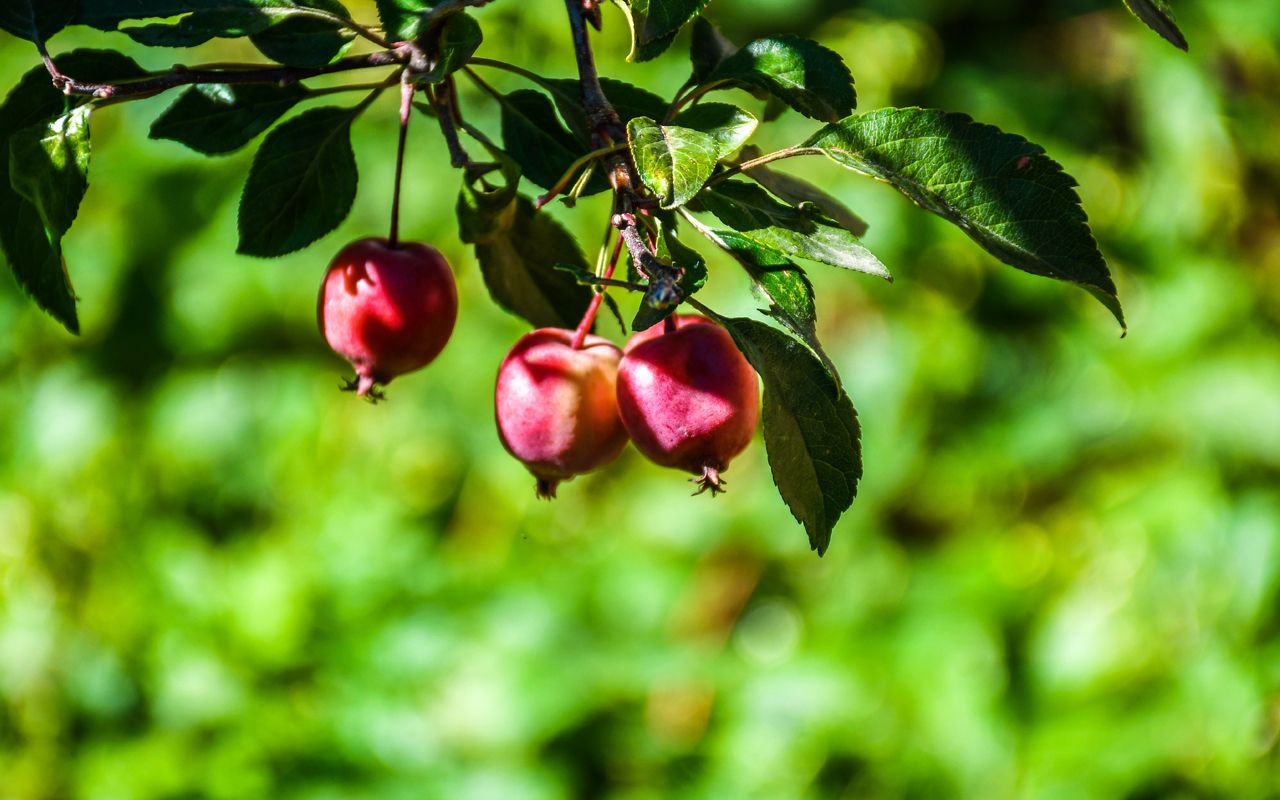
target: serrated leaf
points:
(999, 188)
(779, 281)
(798, 191)
(801, 232)
(1158, 17)
(803, 74)
(536, 140)
(49, 167)
(220, 118)
(301, 41)
(811, 430)
(628, 100)
(36, 20)
(708, 49)
(31, 232)
(654, 23)
(672, 161)
(199, 27)
(302, 183)
(457, 39)
(728, 125)
(693, 274)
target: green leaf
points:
(802, 232)
(708, 49)
(674, 162)
(811, 430)
(776, 279)
(301, 41)
(693, 275)
(31, 232)
(401, 19)
(628, 100)
(534, 137)
(220, 118)
(36, 20)
(1159, 18)
(654, 23)
(1000, 189)
(197, 28)
(519, 250)
(728, 125)
(49, 167)
(457, 39)
(798, 191)
(803, 74)
(301, 185)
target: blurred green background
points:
(220, 577)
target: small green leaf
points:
(1159, 18)
(708, 49)
(220, 118)
(402, 19)
(1000, 189)
(538, 142)
(805, 75)
(798, 191)
(728, 125)
(36, 20)
(811, 430)
(674, 162)
(39, 200)
(654, 23)
(301, 185)
(457, 39)
(802, 232)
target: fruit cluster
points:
(566, 401)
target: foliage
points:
(1059, 580)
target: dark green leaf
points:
(810, 428)
(1159, 18)
(728, 125)
(457, 39)
(629, 101)
(538, 142)
(672, 161)
(805, 75)
(36, 20)
(654, 23)
(302, 41)
(519, 250)
(201, 26)
(401, 19)
(108, 14)
(219, 118)
(798, 191)
(31, 244)
(301, 185)
(800, 232)
(49, 167)
(1000, 189)
(708, 49)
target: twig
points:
(443, 99)
(183, 76)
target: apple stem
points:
(669, 324)
(589, 318)
(406, 107)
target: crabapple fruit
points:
(556, 406)
(387, 309)
(688, 397)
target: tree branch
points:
(183, 76)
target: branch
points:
(183, 76)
